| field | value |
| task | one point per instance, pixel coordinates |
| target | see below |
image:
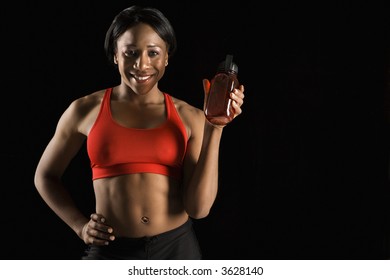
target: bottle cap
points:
(228, 65)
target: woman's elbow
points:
(198, 213)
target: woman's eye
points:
(153, 53)
(130, 53)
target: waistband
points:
(146, 239)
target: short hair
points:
(132, 16)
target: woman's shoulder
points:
(192, 116)
(90, 98)
(82, 111)
(83, 105)
(87, 102)
(185, 107)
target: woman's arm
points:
(201, 162)
(64, 145)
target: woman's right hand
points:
(96, 231)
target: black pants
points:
(177, 244)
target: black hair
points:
(130, 17)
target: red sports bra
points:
(116, 150)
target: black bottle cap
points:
(228, 65)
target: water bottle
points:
(218, 109)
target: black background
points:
(303, 171)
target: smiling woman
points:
(154, 157)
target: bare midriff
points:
(139, 205)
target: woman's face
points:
(141, 57)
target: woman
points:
(154, 158)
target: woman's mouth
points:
(141, 78)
